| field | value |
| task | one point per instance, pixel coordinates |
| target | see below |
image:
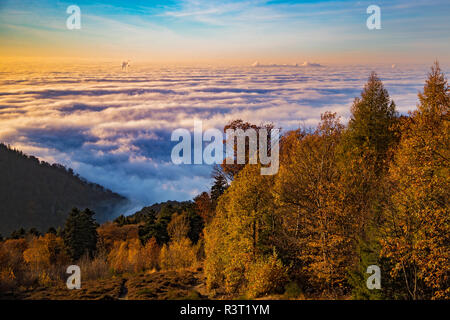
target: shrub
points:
(266, 276)
(235, 273)
(109, 233)
(8, 280)
(150, 254)
(178, 254)
(95, 268)
(37, 255)
(125, 256)
(44, 279)
(214, 252)
(292, 290)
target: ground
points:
(161, 285)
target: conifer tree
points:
(218, 188)
(364, 155)
(80, 233)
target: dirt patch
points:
(163, 285)
(168, 285)
(123, 293)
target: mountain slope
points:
(37, 194)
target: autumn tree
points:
(150, 253)
(44, 252)
(204, 206)
(229, 171)
(178, 254)
(123, 255)
(12, 264)
(242, 231)
(178, 227)
(316, 234)
(417, 227)
(109, 232)
(37, 255)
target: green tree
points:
(17, 234)
(52, 230)
(369, 135)
(121, 220)
(196, 225)
(34, 232)
(80, 233)
(364, 154)
(218, 188)
(154, 229)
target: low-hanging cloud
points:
(114, 127)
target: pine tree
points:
(18, 234)
(218, 188)
(121, 220)
(364, 155)
(153, 229)
(369, 134)
(80, 233)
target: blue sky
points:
(228, 31)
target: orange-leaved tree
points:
(417, 232)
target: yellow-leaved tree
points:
(417, 232)
(316, 234)
(241, 235)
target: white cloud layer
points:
(114, 127)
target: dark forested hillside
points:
(154, 210)
(37, 194)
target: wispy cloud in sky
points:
(228, 31)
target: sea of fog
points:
(113, 126)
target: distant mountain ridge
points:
(34, 193)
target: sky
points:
(227, 32)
